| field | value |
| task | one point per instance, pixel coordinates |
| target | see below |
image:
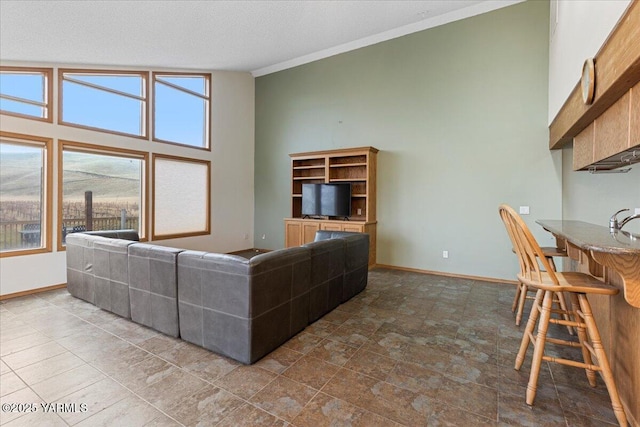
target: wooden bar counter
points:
(615, 258)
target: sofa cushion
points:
(243, 308)
(153, 287)
(327, 276)
(80, 268)
(356, 268)
(112, 275)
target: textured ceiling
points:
(255, 36)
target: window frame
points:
(207, 98)
(205, 232)
(47, 186)
(82, 147)
(144, 114)
(48, 92)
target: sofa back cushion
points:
(327, 276)
(111, 271)
(243, 308)
(153, 286)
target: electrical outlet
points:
(524, 210)
(264, 236)
(637, 211)
(246, 236)
(445, 254)
(359, 211)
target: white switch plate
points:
(445, 254)
(524, 210)
(637, 211)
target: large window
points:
(107, 101)
(181, 109)
(26, 92)
(25, 194)
(181, 197)
(101, 189)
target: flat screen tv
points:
(326, 200)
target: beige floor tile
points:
(50, 367)
(10, 383)
(130, 412)
(37, 419)
(4, 368)
(144, 373)
(170, 390)
(21, 403)
(22, 343)
(34, 354)
(67, 382)
(207, 406)
(92, 399)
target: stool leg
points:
(516, 298)
(603, 362)
(531, 324)
(538, 351)
(523, 298)
(582, 336)
(563, 306)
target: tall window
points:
(108, 101)
(26, 92)
(25, 194)
(181, 197)
(101, 189)
(181, 109)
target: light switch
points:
(524, 210)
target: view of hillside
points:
(114, 182)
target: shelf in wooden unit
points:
(308, 178)
(308, 167)
(347, 180)
(347, 165)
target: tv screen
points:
(326, 199)
(335, 199)
(311, 199)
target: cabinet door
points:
(331, 226)
(309, 231)
(583, 148)
(612, 129)
(355, 228)
(292, 233)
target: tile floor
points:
(411, 350)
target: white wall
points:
(579, 31)
(232, 198)
(578, 28)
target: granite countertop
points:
(594, 237)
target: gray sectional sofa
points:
(241, 308)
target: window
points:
(101, 189)
(109, 101)
(181, 109)
(26, 92)
(180, 197)
(25, 194)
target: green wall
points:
(459, 114)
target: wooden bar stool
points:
(547, 283)
(522, 290)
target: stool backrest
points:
(533, 262)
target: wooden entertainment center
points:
(354, 165)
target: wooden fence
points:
(26, 234)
